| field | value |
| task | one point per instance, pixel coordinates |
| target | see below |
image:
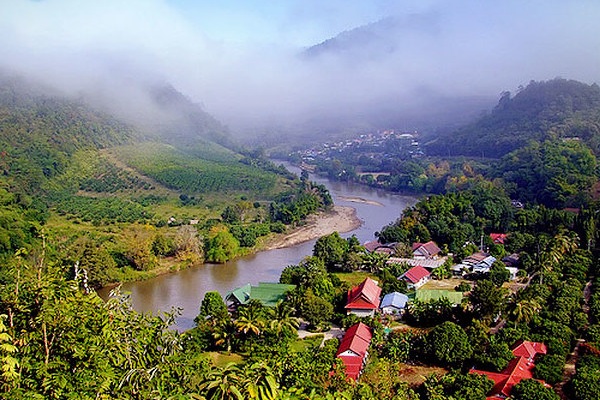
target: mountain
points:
(40, 131)
(379, 39)
(557, 108)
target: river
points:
(185, 289)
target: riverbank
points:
(340, 219)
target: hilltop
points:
(554, 109)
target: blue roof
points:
(394, 299)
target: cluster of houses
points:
(371, 141)
(365, 300)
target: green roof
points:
(267, 293)
(429, 295)
(240, 295)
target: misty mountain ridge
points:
(558, 108)
(44, 134)
(378, 39)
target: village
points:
(375, 147)
(424, 284)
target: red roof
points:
(353, 349)
(521, 367)
(415, 274)
(428, 249)
(518, 369)
(498, 238)
(527, 349)
(364, 296)
(353, 366)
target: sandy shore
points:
(340, 219)
(360, 200)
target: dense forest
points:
(546, 110)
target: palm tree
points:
(559, 246)
(283, 321)
(250, 318)
(223, 334)
(524, 310)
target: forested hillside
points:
(119, 197)
(558, 108)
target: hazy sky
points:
(240, 58)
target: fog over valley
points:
(300, 67)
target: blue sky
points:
(294, 22)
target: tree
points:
(138, 242)
(499, 274)
(251, 318)
(524, 310)
(448, 344)
(332, 250)
(188, 244)
(283, 323)
(468, 386)
(213, 307)
(96, 260)
(487, 300)
(221, 245)
(585, 384)
(223, 383)
(315, 309)
(9, 365)
(530, 389)
(549, 368)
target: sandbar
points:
(340, 219)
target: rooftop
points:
(267, 293)
(364, 296)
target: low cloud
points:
(397, 67)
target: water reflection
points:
(185, 289)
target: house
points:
(353, 349)
(393, 303)
(372, 245)
(527, 349)
(498, 238)
(415, 277)
(512, 260)
(519, 368)
(425, 251)
(413, 262)
(364, 299)
(375, 247)
(478, 262)
(267, 293)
